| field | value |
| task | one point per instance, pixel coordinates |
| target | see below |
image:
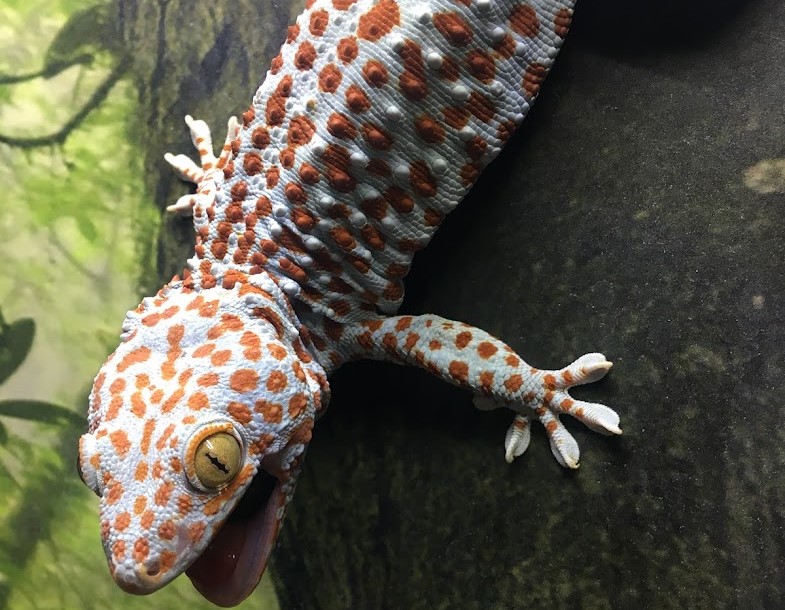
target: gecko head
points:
(197, 426)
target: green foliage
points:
(15, 342)
(16, 339)
(77, 231)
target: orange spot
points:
(122, 521)
(167, 530)
(115, 492)
(276, 381)
(198, 400)
(164, 437)
(171, 402)
(411, 341)
(120, 442)
(147, 435)
(140, 474)
(167, 561)
(136, 356)
(208, 309)
(486, 349)
(277, 351)
(330, 78)
(139, 504)
(271, 412)
(297, 404)
(454, 28)
(163, 493)
(141, 549)
(403, 323)
(347, 49)
(208, 379)
(513, 361)
(196, 531)
(147, 519)
(513, 383)
(524, 21)
(319, 21)
(204, 350)
(244, 380)
(379, 20)
(118, 550)
(459, 371)
(183, 504)
(221, 357)
(486, 380)
(463, 339)
(240, 412)
(412, 81)
(421, 179)
(138, 406)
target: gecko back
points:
(372, 124)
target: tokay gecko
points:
(371, 125)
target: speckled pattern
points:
(372, 124)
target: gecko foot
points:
(552, 400)
(189, 171)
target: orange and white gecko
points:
(372, 124)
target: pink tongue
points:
(215, 566)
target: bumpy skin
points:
(373, 122)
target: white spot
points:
(396, 41)
(553, 52)
(312, 243)
(393, 113)
(358, 219)
(439, 165)
(434, 60)
(423, 15)
(367, 192)
(460, 93)
(359, 159)
(388, 222)
(279, 211)
(318, 146)
(290, 287)
(497, 88)
(497, 34)
(324, 278)
(483, 5)
(326, 201)
(305, 261)
(521, 48)
(275, 230)
(401, 172)
(466, 133)
(324, 225)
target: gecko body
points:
(372, 124)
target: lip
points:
(231, 566)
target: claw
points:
(586, 369)
(517, 439)
(555, 400)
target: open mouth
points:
(231, 566)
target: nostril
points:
(153, 569)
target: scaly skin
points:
(372, 124)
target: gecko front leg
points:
(473, 359)
(206, 176)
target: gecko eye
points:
(217, 460)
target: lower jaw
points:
(231, 566)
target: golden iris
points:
(217, 460)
